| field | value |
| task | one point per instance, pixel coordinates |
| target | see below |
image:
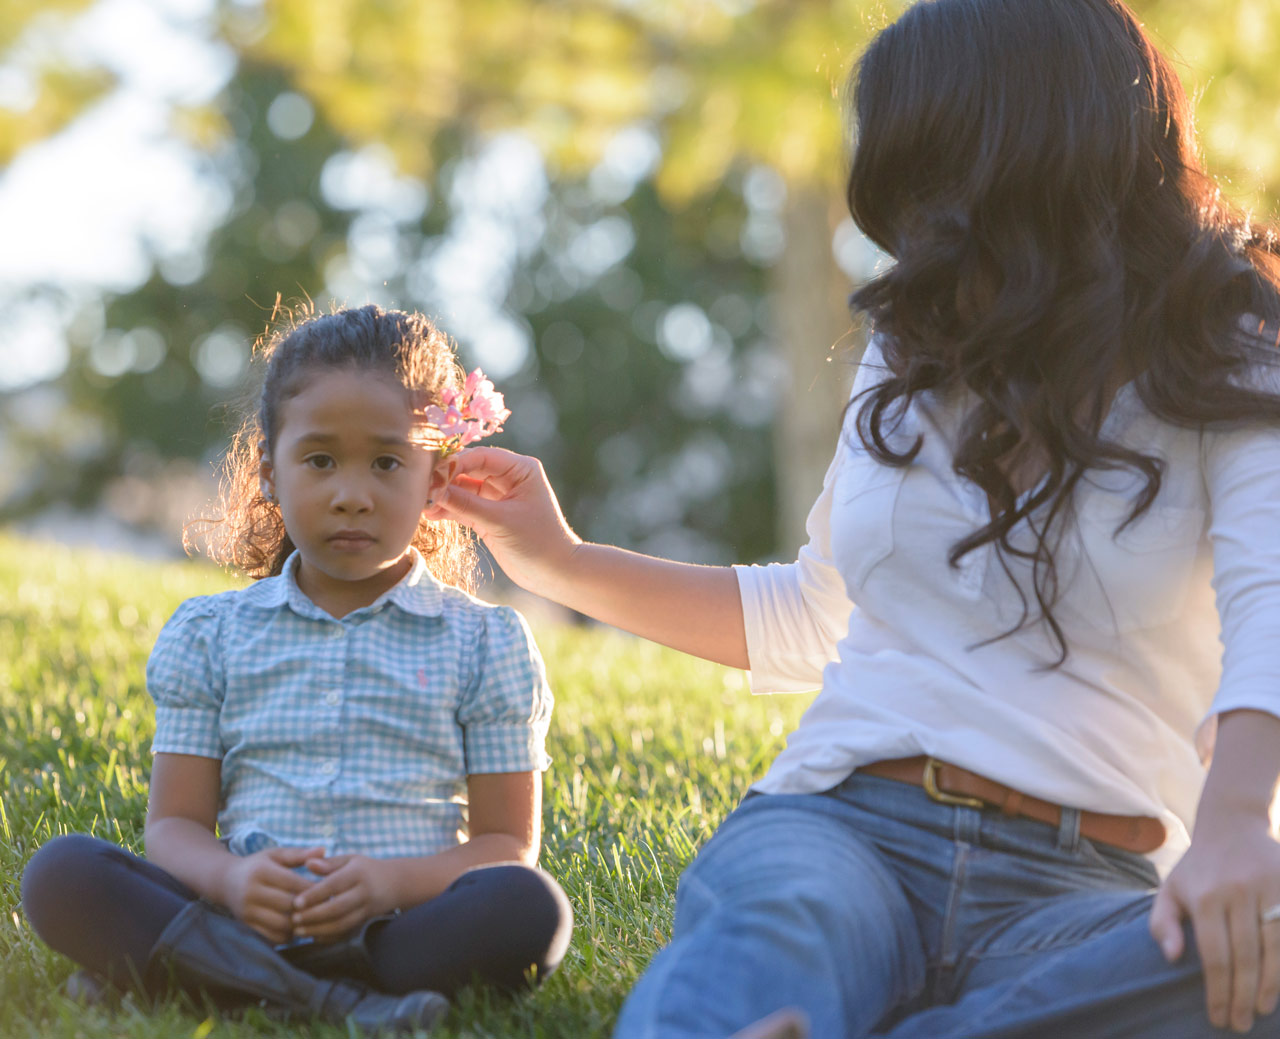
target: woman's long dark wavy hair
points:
(246, 530)
(1032, 169)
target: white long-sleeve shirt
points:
(900, 641)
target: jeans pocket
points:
(1137, 870)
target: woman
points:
(1062, 454)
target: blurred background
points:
(628, 212)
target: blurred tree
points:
(656, 370)
(52, 91)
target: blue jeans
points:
(880, 912)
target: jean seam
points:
(947, 957)
(1046, 966)
(1055, 945)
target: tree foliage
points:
(743, 101)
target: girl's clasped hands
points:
(271, 892)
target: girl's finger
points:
(275, 927)
(334, 929)
(327, 889)
(325, 866)
(328, 911)
(274, 900)
(291, 857)
(285, 880)
(1246, 949)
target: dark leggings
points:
(104, 908)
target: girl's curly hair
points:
(1032, 168)
(245, 530)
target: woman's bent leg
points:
(505, 926)
(1113, 984)
(99, 905)
(785, 906)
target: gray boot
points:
(346, 958)
(204, 951)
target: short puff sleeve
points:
(505, 710)
(186, 679)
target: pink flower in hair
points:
(467, 415)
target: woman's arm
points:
(1231, 874)
(182, 814)
(505, 813)
(507, 500)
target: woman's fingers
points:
(1165, 923)
(1213, 942)
(502, 467)
(1246, 950)
(1269, 972)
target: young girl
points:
(1041, 592)
(342, 745)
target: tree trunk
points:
(818, 346)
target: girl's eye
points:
(319, 462)
(386, 464)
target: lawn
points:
(651, 750)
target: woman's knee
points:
(796, 867)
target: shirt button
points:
(336, 632)
(329, 767)
(332, 697)
(329, 829)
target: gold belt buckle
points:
(941, 796)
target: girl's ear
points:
(440, 477)
(267, 479)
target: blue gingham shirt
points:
(354, 734)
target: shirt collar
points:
(417, 592)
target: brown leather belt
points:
(950, 784)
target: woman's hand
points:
(260, 889)
(353, 889)
(1223, 884)
(1230, 876)
(506, 499)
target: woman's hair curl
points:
(1032, 169)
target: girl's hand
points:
(506, 499)
(354, 888)
(1229, 875)
(259, 889)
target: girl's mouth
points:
(350, 540)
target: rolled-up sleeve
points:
(186, 679)
(797, 613)
(506, 709)
(1242, 474)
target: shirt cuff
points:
(184, 731)
(505, 748)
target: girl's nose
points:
(352, 495)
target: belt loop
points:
(1069, 830)
(966, 827)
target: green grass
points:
(651, 750)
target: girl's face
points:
(351, 484)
